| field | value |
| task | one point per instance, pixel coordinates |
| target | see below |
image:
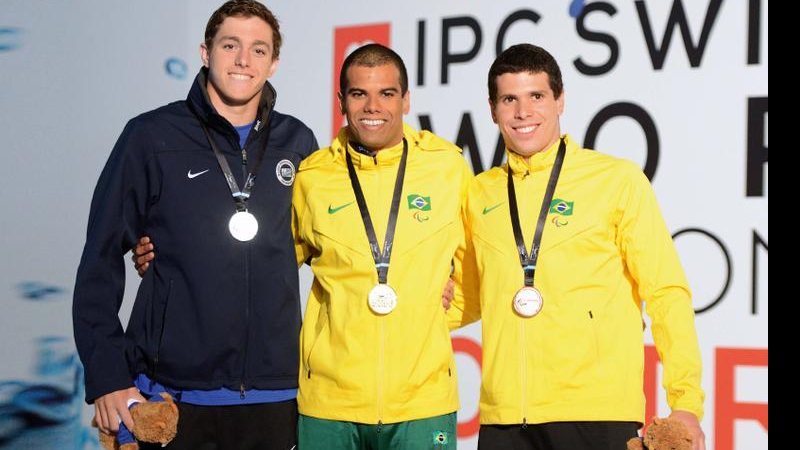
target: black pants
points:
(269, 426)
(557, 436)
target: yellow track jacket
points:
(605, 249)
(355, 365)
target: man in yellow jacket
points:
(563, 246)
(378, 216)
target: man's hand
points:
(691, 422)
(447, 294)
(110, 408)
(142, 254)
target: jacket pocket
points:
(322, 328)
(160, 310)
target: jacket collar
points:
(200, 103)
(543, 160)
(388, 156)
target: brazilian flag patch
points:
(419, 202)
(562, 207)
(440, 438)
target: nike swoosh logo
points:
(489, 209)
(193, 175)
(332, 210)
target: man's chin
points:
(240, 100)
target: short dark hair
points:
(244, 8)
(373, 55)
(525, 58)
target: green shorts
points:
(433, 433)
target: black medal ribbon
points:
(381, 258)
(528, 261)
(240, 196)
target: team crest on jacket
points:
(285, 172)
(562, 207)
(417, 204)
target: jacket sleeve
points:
(465, 307)
(301, 247)
(653, 262)
(115, 220)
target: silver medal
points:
(243, 226)
(528, 301)
(382, 299)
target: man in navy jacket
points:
(209, 175)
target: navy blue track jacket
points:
(211, 311)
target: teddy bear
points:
(663, 434)
(156, 421)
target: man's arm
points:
(118, 208)
(652, 260)
(465, 305)
(303, 250)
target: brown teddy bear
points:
(154, 422)
(663, 434)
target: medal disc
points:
(243, 226)
(382, 299)
(528, 301)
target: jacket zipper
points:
(380, 372)
(381, 328)
(523, 346)
(523, 374)
(243, 382)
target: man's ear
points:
(273, 67)
(204, 54)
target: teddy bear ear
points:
(635, 444)
(108, 441)
(168, 400)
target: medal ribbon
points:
(528, 261)
(381, 258)
(240, 196)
